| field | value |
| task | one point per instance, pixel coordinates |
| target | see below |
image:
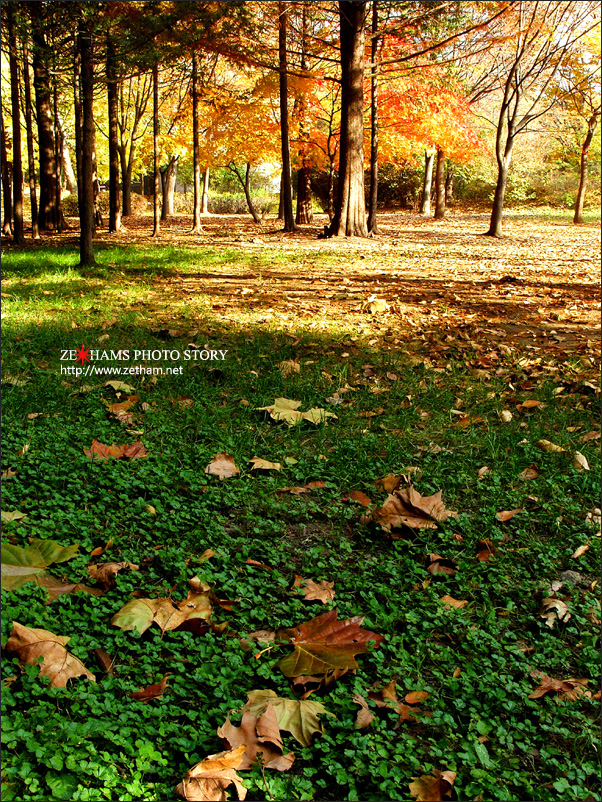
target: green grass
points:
(90, 741)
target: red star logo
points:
(83, 355)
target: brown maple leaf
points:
(565, 689)
(261, 736)
(207, 781)
(407, 710)
(405, 507)
(99, 450)
(222, 465)
(151, 692)
(436, 564)
(485, 550)
(315, 591)
(324, 643)
(433, 789)
(104, 573)
(306, 684)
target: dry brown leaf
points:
(127, 451)
(207, 781)
(289, 366)
(567, 689)
(151, 692)
(433, 789)
(30, 644)
(386, 697)
(390, 482)
(594, 435)
(222, 465)
(9, 473)
(554, 610)
(258, 464)
(436, 564)
(531, 403)
(581, 550)
(104, 660)
(104, 573)
(449, 601)
(297, 491)
(306, 684)
(580, 463)
(506, 515)
(365, 716)
(407, 508)
(261, 737)
(485, 550)
(101, 549)
(189, 615)
(359, 497)
(315, 591)
(505, 416)
(551, 448)
(529, 473)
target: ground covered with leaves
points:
(355, 559)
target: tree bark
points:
(504, 156)
(440, 185)
(156, 176)
(373, 195)
(78, 119)
(86, 247)
(281, 199)
(112, 95)
(449, 182)
(304, 213)
(58, 154)
(205, 202)
(591, 129)
(169, 175)
(48, 218)
(350, 207)
(429, 160)
(246, 185)
(30, 148)
(289, 220)
(16, 125)
(196, 158)
(7, 190)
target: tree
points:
(287, 196)
(373, 195)
(7, 192)
(87, 222)
(16, 123)
(429, 161)
(156, 176)
(350, 207)
(30, 147)
(196, 209)
(544, 34)
(112, 107)
(440, 185)
(304, 213)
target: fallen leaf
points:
(259, 565)
(120, 387)
(390, 482)
(580, 463)
(581, 550)
(222, 465)
(436, 564)
(485, 550)
(531, 403)
(315, 591)
(323, 643)
(261, 737)
(191, 614)
(56, 588)
(123, 406)
(406, 507)
(505, 416)
(12, 515)
(482, 472)
(21, 565)
(457, 604)
(207, 780)
(289, 366)
(104, 573)
(585, 438)
(365, 716)
(360, 497)
(551, 448)
(258, 464)
(300, 717)
(9, 473)
(554, 610)
(286, 410)
(296, 491)
(126, 451)
(567, 689)
(101, 549)
(386, 697)
(376, 305)
(432, 789)
(29, 644)
(529, 473)
(506, 515)
(151, 692)
(306, 684)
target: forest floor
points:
(447, 361)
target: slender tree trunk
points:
(591, 129)
(78, 120)
(449, 182)
(30, 149)
(58, 156)
(126, 181)
(48, 218)
(495, 225)
(66, 164)
(168, 186)
(205, 203)
(373, 198)
(246, 185)
(86, 247)
(16, 123)
(429, 160)
(440, 185)
(7, 191)
(330, 208)
(112, 98)
(350, 208)
(281, 198)
(304, 213)
(196, 157)
(289, 220)
(156, 175)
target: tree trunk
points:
(196, 157)
(330, 208)
(495, 225)
(449, 182)
(205, 203)
(304, 213)
(66, 163)
(429, 160)
(86, 248)
(16, 124)
(591, 128)
(373, 197)
(440, 185)
(30, 149)
(58, 154)
(168, 186)
(112, 95)
(48, 218)
(281, 199)
(289, 220)
(7, 191)
(246, 185)
(156, 176)
(78, 120)
(350, 207)
(126, 182)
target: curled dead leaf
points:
(207, 780)
(261, 737)
(485, 550)
(365, 716)
(566, 690)
(151, 692)
(580, 551)
(449, 602)
(359, 497)
(258, 464)
(104, 573)
(554, 610)
(315, 591)
(580, 463)
(407, 508)
(430, 788)
(100, 451)
(436, 564)
(506, 515)
(29, 644)
(529, 473)
(551, 448)
(222, 465)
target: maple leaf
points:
(151, 692)
(449, 602)
(554, 610)
(261, 736)
(436, 564)
(300, 717)
(207, 780)
(104, 573)
(306, 684)
(506, 515)
(485, 550)
(190, 614)
(365, 716)
(21, 565)
(407, 508)
(565, 689)
(258, 464)
(323, 643)
(359, 497)
(222, 465)
(99, 450)
(314, 591)
(286, 410)
(432, 789)
(13, 515)
(289, 366)
(406, 710)
(29, 644)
